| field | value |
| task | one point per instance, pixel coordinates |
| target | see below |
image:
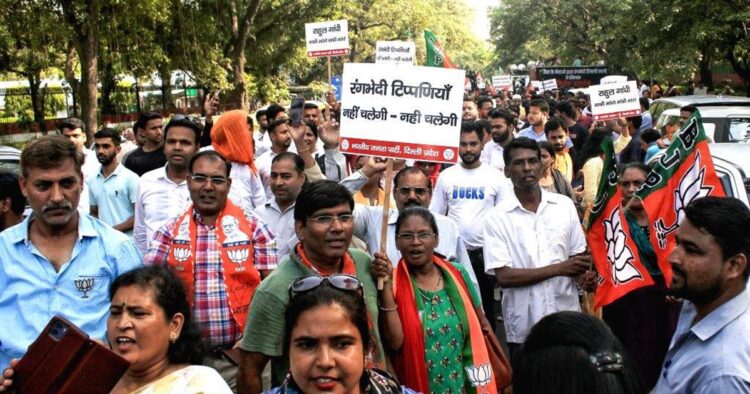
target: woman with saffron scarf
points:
(232, 137)
(428, 316)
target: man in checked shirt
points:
(221, 252)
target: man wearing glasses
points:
(221, 252)
(324, 225)
(411, 187)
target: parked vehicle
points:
(665, 103)
(10, 159)
(721, 124)
(732, 163)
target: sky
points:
(481, 25)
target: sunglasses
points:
(337, 281)
(181, 117)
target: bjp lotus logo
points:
(479, 375)
(619, 254)
(181, 254)
(692, 186)
(238, 256)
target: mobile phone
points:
(295, 111)
(63, 359)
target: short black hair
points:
(71, 123)
(644, 102)
(502, 113)
(548, 147)
(110, 133)
(422, 212)
(727, 219)
(541, 104)
(276, 123)
(483, 99)
(320, 195)
(312, 126)
(325, 295)
(633, 164)
(184, 122)
(410, 170)
(170, 295)
(521, 143)
(259, 113)
(273, 110)
(689, 108)
(299, 163)
(635, 120)
(213, 156)
(470, 126)
(554, 123)
(650, 135)
(309, 105)
(562, 353)
(566, 108)
(144, 118)
(10, 188)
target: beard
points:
(104, 159)
(501, 138)
(469, 158)
(696, 296)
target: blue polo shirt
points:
(711, 356)
(115, 195)
(31, 292)
(530, 133)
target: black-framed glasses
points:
(202, 179)
(408, 237)
(327, 220)
(338, 281)
(420, 191)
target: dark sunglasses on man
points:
(337, 281)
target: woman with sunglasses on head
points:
(429, 316)
(326, 338)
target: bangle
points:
(363, 174)
(395, 308)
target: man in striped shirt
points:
(221, 252)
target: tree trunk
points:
(89, 80)
(238, 97)
(37, 100)
(167, 101)
(742, 68)
(108, 86)
(704, 69)
(70, 77)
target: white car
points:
(732, 163)
(10, 159)
(721, 124)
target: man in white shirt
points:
(281, 140)
(287, 179)
(503, 126)
(411, 187)
(534, 246)
(75, 130)
(163, 193)
(465, 193)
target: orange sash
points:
(233, 232)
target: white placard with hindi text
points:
(404, 112)
(502, 82)
(537, 85)
(395, 52)
(549, 85)
(614, 100)
(327, 38)
(613, 79)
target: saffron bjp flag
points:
(613, 250)
(436, 56)
(684, 173)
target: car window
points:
(10, 166)
(739, 130)
(710, 129)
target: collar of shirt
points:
(721, 316)
(117, 171)
(20, 233)
(275, 206)
(512, 203)
(163, 176)
(392, 217)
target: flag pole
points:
(386, 213)
(587, 303)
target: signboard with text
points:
(327, 38)
(395, 52)
(405, 112)
(549, 85)
(571, 77)
(502, 82)
(614, 100)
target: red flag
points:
(613, 250)
(684, 173)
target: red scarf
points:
(241, 278)
(410, 361)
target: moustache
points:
(411, 203)
(63, 205)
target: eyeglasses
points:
(407, 237)
(420, 191)
(338, 281)
(327, 220)
(215, 180)
(181, 117)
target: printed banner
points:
(502, 82)
(395, 52)
(549, 85)
(404, 112)
(614, 100)
(571, 77)
(614, 79)
(327, 38)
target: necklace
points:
(434, 300)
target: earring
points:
(173, 337)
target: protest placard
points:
(395, 52)
(614, 79)
(537, 85)
(549, 85)
(327, 38)
(614, 100)
(398, 111)
(502, 82)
